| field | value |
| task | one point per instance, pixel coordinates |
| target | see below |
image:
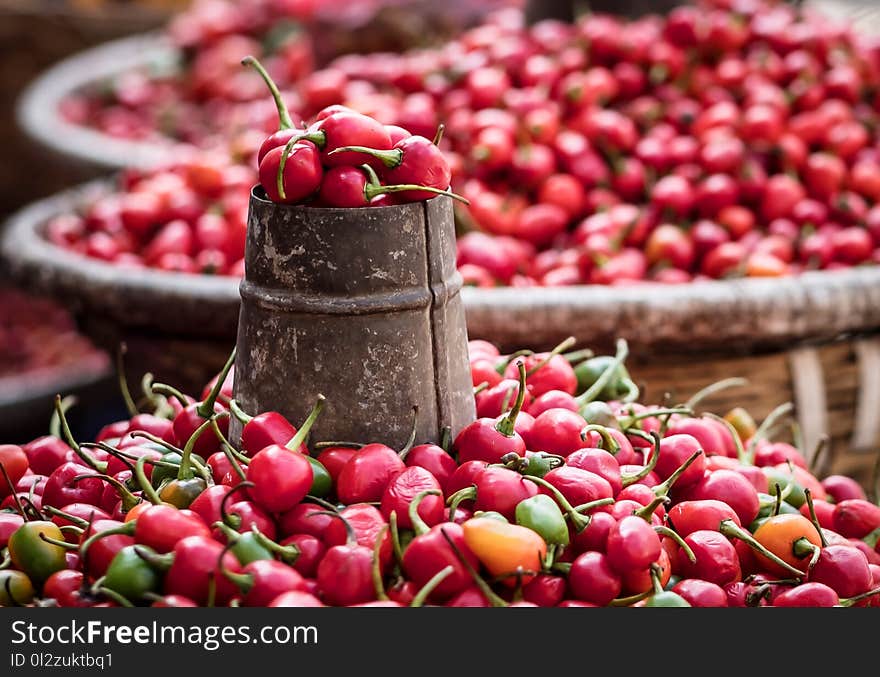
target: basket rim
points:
(37, 107)
(741, 313)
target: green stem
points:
(632, 599)
(206, 408)
(157, 440)
(129, 500)
(592, 505)
(507, 424)
(145, 484)
(438, 135)
(730, 529)
(422, 595)
(454, 500)
(766, 425)
(849, 601)
(55, 541)
(605, 377)
(626, 480)
(371, 191)
(419, 525)
(15, 497)
(663, 488)
(286, 553)
(55, 420)
(634, 418)
(578, 521)
(170, 391)
(714, 388)
(446, 438)
(396, 548)
(185, 472)
(78, 521)
(239, 413)
(390, 158)
(284, 120)
(130, 406)
(411, 440)
(578, 355)
(669, 533)
(126, 529)
(562, 347)
(303, 432)
(233, 521)
(610, 444)
(375, 566)
(232, 455)
(67, 436)
(113, 595)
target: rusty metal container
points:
(361, 306)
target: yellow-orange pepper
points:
(505, 548)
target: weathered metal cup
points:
(361, 306)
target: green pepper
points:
(666, 598)
(130, 575)
(16, 588)
(322, 483)
(163, 473)
(34, 556)
(540, 463)
(181, 493)
(796, 495)
(600, 413)
(541, 514)
(589, 371)
(490, 514)
(251, 546)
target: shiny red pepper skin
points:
(266, 429)
(430, 553)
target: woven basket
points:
(813, 340)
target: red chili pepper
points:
(367, 473)
(62, 489)
(266, 429)
(599, 462)
(732, 488)
(15, 463)
(207, 504)
(592, 579)
(68, 588)
(632, 545)
(47, 453)
(690, 516)
(403, 488)
(305, 518)
(100, 543)
(311, 552)
(263, 580)
(489, 439)
(434, 459)
(367, 524)
(578, 486)
(282, 477)
(700, 593)
(856, 518)
(716, 558)
(545, 590)
(244, 515)
(430, 552)
(558, 431)
(345, 575)
(674, 451)
(296, 599)
(844, 569)
(9, 522)
(116, 464)
(334, 459)
(195, 571)
(162, 527)
(595, 535)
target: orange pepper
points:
(779, 535)
(505, 548)
(138, 509)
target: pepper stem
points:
(626, 480)
(730, 529)
(411, 440)
(438, 135)
(234, 457)
(287, 553)
(233, 521)
(67, 436)
(419, 525)
(55, 420)
(578, 521)
(669, 533)
(605, 377)
(371, 191)
(78, 521)
(242, 581)
(396, 547)
(506, 425)
(376, 567)
(611, 444)
(206, 408)
(145, 484)
(15, 497)
(154, 559)
(157, 440)
(186, 472)
(422, 595)
(562, 347)
(126, 529)
(634, 418)
(239, 413)
(170, 391)
(303, 432)
(284, 119)
(849, 601)
(714, 388)
(129, 500)
(663, 488)
(114, 596)
(390, 158)
(766, 425)
(130, 406)
(455, 499)
(592, 505)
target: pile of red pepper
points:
(565, 491)
(735, 139)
